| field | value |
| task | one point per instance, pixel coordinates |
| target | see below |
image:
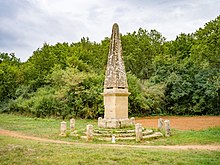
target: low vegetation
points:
(22, 151)
(50, 128)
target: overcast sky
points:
(26, 24)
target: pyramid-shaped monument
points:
(115, 76)
(115, 86)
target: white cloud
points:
(27, 24)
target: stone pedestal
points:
(160, 124)
(138, 132)
(116, 103)
(63, 128)
(116, 109)
(132, 120)
(72, 125)
(89, 132)
(167, 128)
(114, 123)
(113, 138)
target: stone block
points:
(138, 132)
(89, 132)
(132, 120)
(113, 138)
(72, 125)
(167, 128)
(160, 124)
(63, 128)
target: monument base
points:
(115, 123)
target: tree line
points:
(179, 77)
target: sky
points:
(25, 25)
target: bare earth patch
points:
(183, 123)
(176, 147)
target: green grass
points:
(47, 128)
(20, 151)
(50, 128)
(184, 137)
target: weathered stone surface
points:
(74, 133)
(154, 135)
(124, 134)
(116, 103)
(138, 132)
(160, 124)
(115, 86)
(147, 132)
(63, 128)
(132, 119)
(100, 122)
(167, 128)
(72, 125)
(113, 138)
(115, 74)
(114, 123)
(103, 123)
(89, 132)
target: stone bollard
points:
(100, 122)
(138, 131)
(113, 138)
(160, 124)
(132, 120)
(89, 132)
(167, 128)
(63, 128)
(72, 125)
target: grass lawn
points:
(50, 128)
(20, 151)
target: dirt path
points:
(185, 147)
(183, 123)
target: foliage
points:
(10, 75)
(139, 49)
(146, 98)
(180, 77)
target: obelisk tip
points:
(115, 26)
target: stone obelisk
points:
(115, 86)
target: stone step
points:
(108, 137)
(151, 136)
(117, 134)
(154, 135)
(110, 131)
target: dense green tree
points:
(10, 75)
(139, 50)
(180, 77)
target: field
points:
(183, 123)
(26, 140)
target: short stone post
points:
(132, 120)
(113, 138)
(100, 122)
(160, 124)
(63, 128)
(89, 132)
(72, 125)
(138, 131)
(167, 128)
